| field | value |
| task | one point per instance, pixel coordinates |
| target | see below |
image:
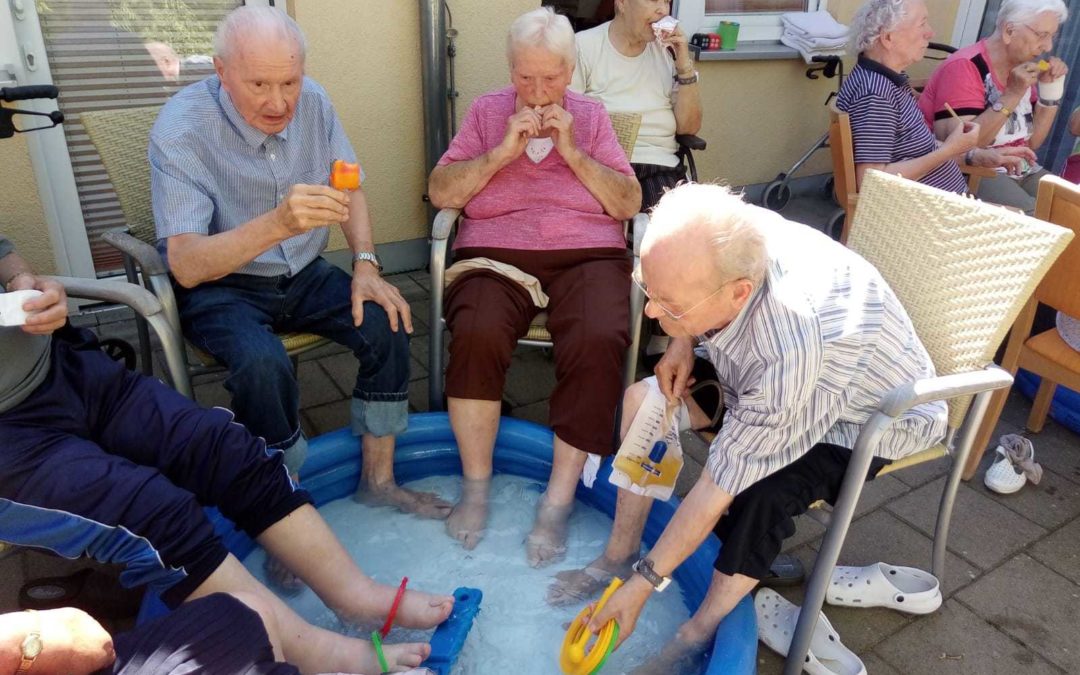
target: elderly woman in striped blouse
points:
(800, 372)
(889, 132)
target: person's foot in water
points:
(467, 521)
(572, 587)
(546, 544)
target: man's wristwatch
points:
(644, 567)
(31, 647)
(368, 256)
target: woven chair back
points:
(961, 268)
(122, 138)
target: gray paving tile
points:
(689, 475)
(324, 350)
(954, 640)
(921, 474)
(531, 377)
(410, 290)
(420, 318)
(212, 394)
(418, 395)
(879, 491)
(877, 665)
(417, 369)
(1060, 552)
(422, 279)
(533, 412)
(1034, 604)
(1050, 503)
(316, 387)
(1058, 449)
(342, 370)
(328, 417)
(975, 517)
(806, 530)
(881, 537)
(11, 574)
(694, 446)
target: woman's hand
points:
(1011, 158)
(962, 138)
(520, 127)
(1057, 69)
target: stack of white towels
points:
(814, 34)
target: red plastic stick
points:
(385, 630)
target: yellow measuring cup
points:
(575, 658)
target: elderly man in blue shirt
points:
(239, 164)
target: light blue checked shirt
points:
(210, 171)
(809, 358)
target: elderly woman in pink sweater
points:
(544, 185)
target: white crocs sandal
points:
(905, 589)
(776, 620)
(1002, 476)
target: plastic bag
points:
(650, 457)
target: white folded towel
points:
(816, 43)
(809, 54)
(814, 24)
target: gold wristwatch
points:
(31, 646)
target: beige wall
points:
(21, 216)
(367, 56)
(760, 116)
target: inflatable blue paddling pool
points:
(1065, 407)
(332, 472)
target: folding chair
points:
(1045, 354)
(122, 138)
(963, 270)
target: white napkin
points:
(539, 148)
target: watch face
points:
(31, 646)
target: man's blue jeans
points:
(234, 319)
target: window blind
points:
(109, 54)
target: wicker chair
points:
(121, 138)
(626, 127)
(963, 270)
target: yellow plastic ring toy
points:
(575, 658)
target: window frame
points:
(753, 26)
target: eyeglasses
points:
(1041, 35)
(671, 315)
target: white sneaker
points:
(1003, 476)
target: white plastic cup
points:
(1052, 90)
(11, 307)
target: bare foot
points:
(417, 609)
(468, 520)
(546, 544)
(281, 578)
(576, 586)
(423, 504)
(361, 657)
(678, 657)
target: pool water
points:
(516, 631)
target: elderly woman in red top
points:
(544, 185)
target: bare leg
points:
(378, 487)
(696, 635)
(475, 424)
(546, 544)
(279, 576)
(312, 650)
(306, 545)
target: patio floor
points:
(1012, 584)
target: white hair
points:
(874, 18)
(249, 20)
(542, 28)
(1023, 11)
(736, 242)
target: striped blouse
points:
(809, 358)
(211, 172)
(887, 125)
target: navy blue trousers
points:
(104, 462)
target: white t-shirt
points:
(642, 84)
